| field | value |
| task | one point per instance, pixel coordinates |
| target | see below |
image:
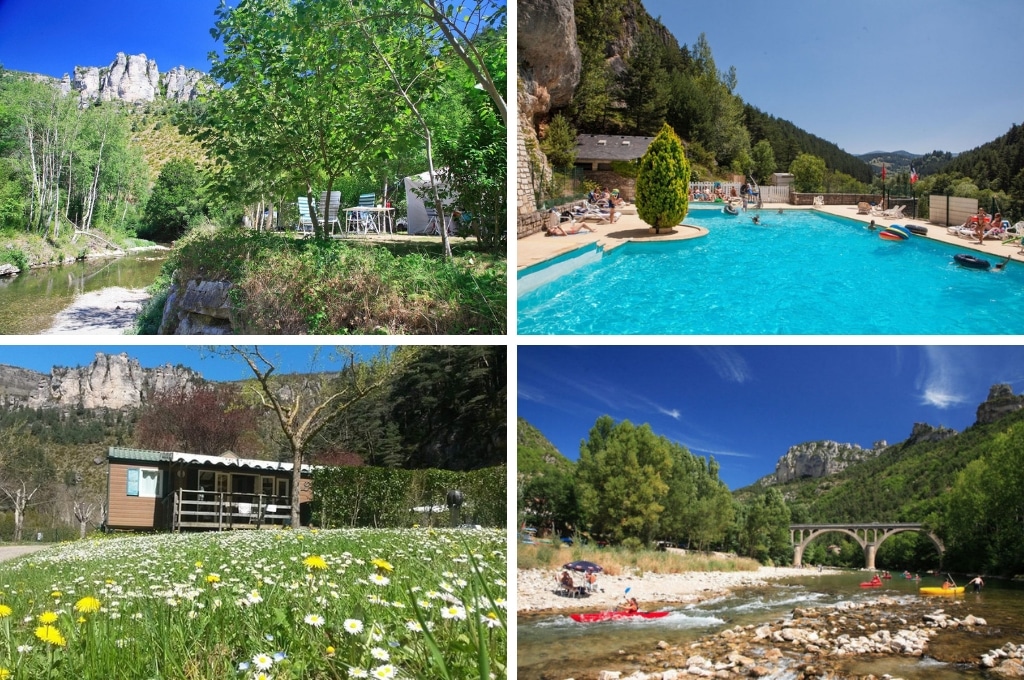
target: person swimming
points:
(756, 219)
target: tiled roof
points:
(611, 147)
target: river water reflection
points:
(555, 647)
(29, 301)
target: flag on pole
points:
(913, 174)
(883, 172)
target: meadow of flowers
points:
(350, 603)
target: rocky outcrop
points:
(17, 385)
(548, 61)
(923, 432)
(133, 79)
(1001, 401)
(197, 308)
(547, 55)
(182, 84)
(111, 381)
(818, 459)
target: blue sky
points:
(54, 36)
(290, 358)
(870, 75)
(746, 405)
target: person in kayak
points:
(630, 606)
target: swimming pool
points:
(801, 272)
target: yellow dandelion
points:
(56, 594)
(87, 605)
(382, 565)
(213, 578)
(330, 650)
(4, 673)
(5, 611)
(199, 565)
(51, 635)
(315, 562)
(46, 618)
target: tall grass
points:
(289, 286)
(616, 561)
(319, 605)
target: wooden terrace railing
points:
(226, 510)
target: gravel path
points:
(109, 311)
(9, 552)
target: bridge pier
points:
(798, 556)
(869, 555)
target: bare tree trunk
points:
(19, 497)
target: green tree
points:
(559, 144)
(176, 202)
(620, 479)
(643, 86)
(764, 160)
(662, 187)
(808, 173)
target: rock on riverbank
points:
(811, 643)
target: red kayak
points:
(871, 584)
(610, 616)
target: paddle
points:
(951, 579)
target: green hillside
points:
(635, 76)
(537, 455)
(925, 482)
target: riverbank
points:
(536, 588)
(108, 311)
(832, 642)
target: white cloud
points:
(671, 413)
(728, 363)
(942, 382)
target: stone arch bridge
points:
(869, 536)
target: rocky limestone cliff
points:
(134, 79)
(817, 459)
(18, 384)
(547, 55)
(112, 381)
(923, 432)
(1001, 401)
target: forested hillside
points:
(537, 455)
(997, 166)
(937, 483)
(635, 76)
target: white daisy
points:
(353, 626)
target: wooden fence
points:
(950, 210)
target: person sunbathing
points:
(559, 230)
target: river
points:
(30, 301)
(556, 647)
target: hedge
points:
(386, 497)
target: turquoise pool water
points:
(801, 272)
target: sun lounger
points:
(863, 208)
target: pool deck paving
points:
(628, 227)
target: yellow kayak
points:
(939, 590)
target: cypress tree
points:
(662, 187)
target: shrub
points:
(14, 256)
(662, 186)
